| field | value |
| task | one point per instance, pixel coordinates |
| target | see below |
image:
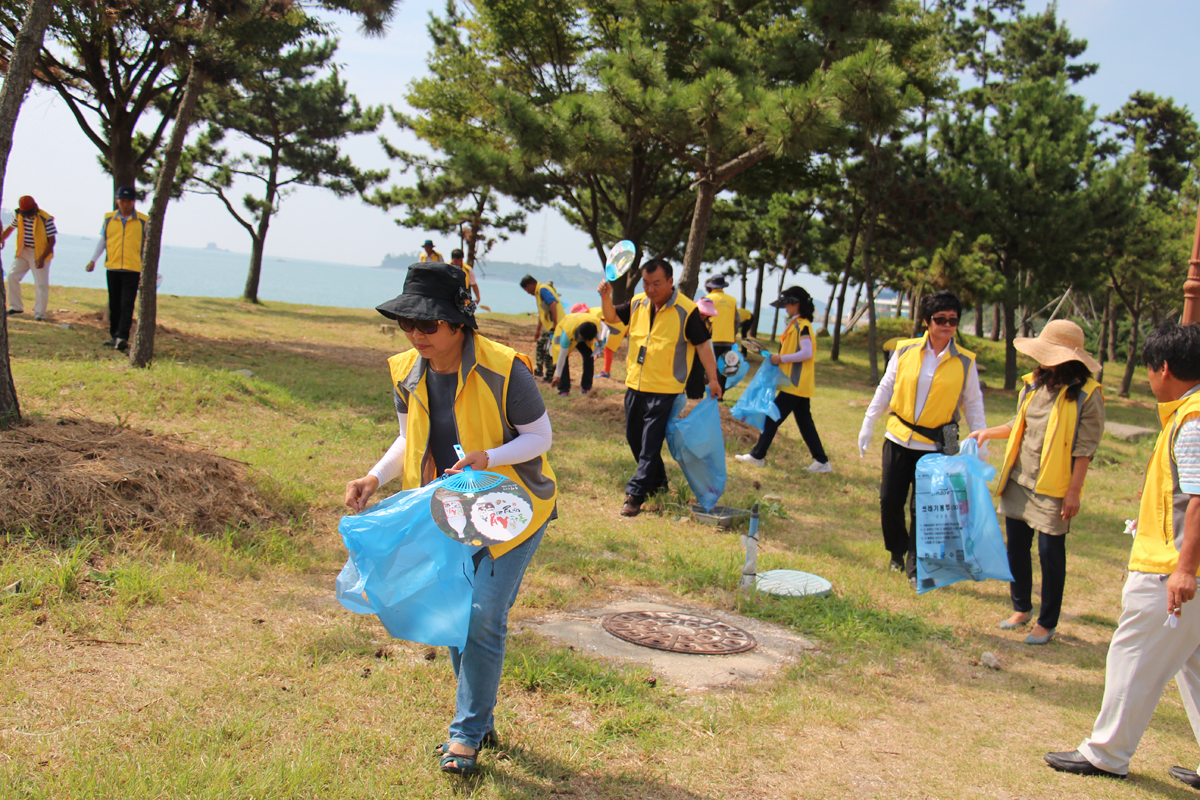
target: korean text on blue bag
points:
(758, 400)
(958, 534)
(405, 570)
(698, 444)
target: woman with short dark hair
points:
(458, 388)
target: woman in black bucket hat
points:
(456, 387)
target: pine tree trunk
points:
(1135, 318)
(872, 351)
(1010, 352)
(1113, 325)
(142, 352)
(916, 315)
(782, 277)
(979, 318)
(758, 289)
(835, 348)
(689, 278)
(250, 293)
(1102, 344)
(857, 298)
(829, 306)
(12, 95)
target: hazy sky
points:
(1139, 44)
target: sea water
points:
(197, 272)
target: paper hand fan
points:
(481, 508)
(620, 259)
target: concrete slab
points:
(1128, 433)
(582, 631)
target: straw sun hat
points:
(1059, 342)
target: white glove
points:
(864, 439)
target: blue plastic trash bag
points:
(758, 401)
(958, 534)
(698, 444)
(405, 570)
(742, 368)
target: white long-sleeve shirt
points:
(880, 403)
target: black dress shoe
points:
(1185, 775)
(1076, 763)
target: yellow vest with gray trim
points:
(799, 377)
(481, 420)
(616, 330)
(945, 390)
(40, 240)
(1054, 467)
(725, 323)
(544, 317)
(123, 242)
(668, 352)
(1160, 522)
(567, 325)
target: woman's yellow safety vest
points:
(544, 317)
(567, 325)
(616, 330)
(1054, 468)
(1160, 522)
(123, 241)
(945, 391)
(40, 240)
(725, 323)
(799, 377)
(660, 355)
(480, 418)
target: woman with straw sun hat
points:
(1051, 441)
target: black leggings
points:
(1052, 552)
(798, 407)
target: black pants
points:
(799, 408)
(895, 489)
(646, 417)
(697, 380)
(585, 380)
(122, 297)
(1052, 552)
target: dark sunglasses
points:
(951, 322)
(426, 326)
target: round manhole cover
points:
(793, 583)
(679, 633)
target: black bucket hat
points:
(792, 294)
(433, 291)
(716, 282)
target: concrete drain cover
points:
(679, 633)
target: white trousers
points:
(1143, 657)
(22, 264)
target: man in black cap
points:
(121, 236)
(430, 254)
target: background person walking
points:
(36, 235)
(121, 238)
(796, 358)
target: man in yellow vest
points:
(121, 236)
(577, 331)
(1145, 654)
(430, 254)
(36, 235)
(550, 311)
(921, 393)
(665, 332)
(456, 259)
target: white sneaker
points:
(746, 458)
(820, 466)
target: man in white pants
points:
(1155, 641)
(35, 247)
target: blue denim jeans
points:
(478, 665)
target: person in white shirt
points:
(927, 383)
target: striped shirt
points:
(27, 228)
(1187, 454)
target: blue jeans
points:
(478, 665)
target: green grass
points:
(171, 665)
